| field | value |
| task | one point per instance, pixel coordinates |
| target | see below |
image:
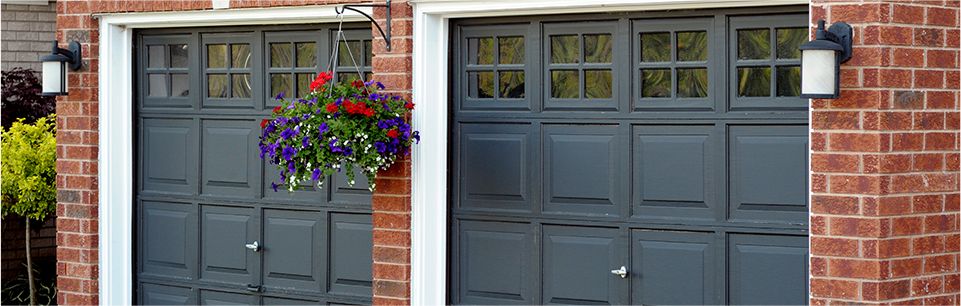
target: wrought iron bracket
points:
(343, 8)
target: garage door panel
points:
(495, 75)
(305, 192)
(351, 245)
(673, 268)
(496, 167)
(674, 171)
(582, 169)
(285, 301)
(577, 264)
(580, 66)
(673, 64)
(229, 62)
(766, 62)
(167, 75)
(344, 193)
(169, 233)
(767, 269)
(293, 249)
(155, 294)
(170, 155)
(495, 263)
(231, 166)
(225, 232)
(768, 173)
(210, 297)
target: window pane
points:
(597, 48)
(511, 50)
(754, 44)
(280, 54)
(306, 54)
(692, 46)
(155, 56)
(217, 85)
(240, 53)
(655, 83)
(303, 84)
(789, 81)
(217, 56)
(789, 40)
(157, 86)
(241, 85)
(480, 51)
(179, 85)
(656, 47)
(178, 56)
(368, 53)
(565, 84)
(280, 83)
(511, 84)
(347, 77)
(344, 54)
(754, 81)
(597, 84)
(565, 49)
(692, 83)
(480, 84)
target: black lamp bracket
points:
(343, 8)
(72, 53)
(840, 33)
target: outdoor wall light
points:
(821, 61)
(55, 68)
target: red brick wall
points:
(77, 151)
(884, 162)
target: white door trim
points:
(429, 198)
(115, 158)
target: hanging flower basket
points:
(337, 127)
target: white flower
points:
(351, 182)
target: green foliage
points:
(17, 291)
(29, 155)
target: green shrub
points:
(28, 162)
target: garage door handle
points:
(253, 246)
(253, 288)
(622, 272)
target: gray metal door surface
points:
(629, 158)
(210, 228)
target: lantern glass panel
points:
(54, 77)
(818, 72)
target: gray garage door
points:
(204, 194)
(671, 144)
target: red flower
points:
(321, 79)
(392, 133)
(369, 112)
(409, 105)
(331, 108)
(358, 83)
(277, 109)
(263, 123)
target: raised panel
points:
(577, 264)
(306, 192)
(768, 269)
(154, 294)
(293, 249)
(168, 239)
(494, 263)
(673, 268)
(225, 231)
(769, 173)
(208, 297)
(495, 167)
(344, 193)
(351, 245)
(674, 169)
(169, 155)
(582, 169)
(230, 161)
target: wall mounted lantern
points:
(55, 68)
(821, 61)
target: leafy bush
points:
(22, 99)
(28, 162)
(17, 291)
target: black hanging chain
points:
(343, 8)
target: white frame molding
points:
(115, 158)
(429, 198)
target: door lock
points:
(253, 246)
(622, 272)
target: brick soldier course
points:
(884, 157)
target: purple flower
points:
(348, 151)
(280, 96)
(380, 146)
(291, 106)
(323, 128)
(288, 153)
(417, 136)
(339, 101)
(287, 133)
(316, 174)
(380, 85)
(383, 124)
(374, 97)
(291, 169)
(304, 142)
(274, 186)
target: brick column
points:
(391, 201)
(884, 160)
